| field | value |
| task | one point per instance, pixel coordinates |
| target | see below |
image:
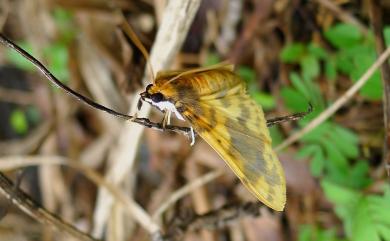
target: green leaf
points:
(276, 135)
(19, 61)
(317, 51)
(386, 33)
(340, 195)
(358, 175)
(294, 100)
(63, 19)
(345, 141)
(299, 85)
(212, 59)
(334, 155)
(317, 164)
(246, 73)
(267, 101)
(318, 134)
(343, 35)
(19, 122)
(344, 63)
(292, 53)
(310, 67)
(57, 55)
(363, 227)
(373, 89)
(330, 69)
(33, 115)
(313, 233)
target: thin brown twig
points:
(176, 21)
(261, 11)
(215, 219)
(142, 121)
(343, 15)
(27, 144)
(376, 16)
(338, 103)
(186, 189)
(13, 162)
(28, 206)
(16, 96)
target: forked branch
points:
(25, 203)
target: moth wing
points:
(166, 75)
(235, 127)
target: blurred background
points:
(289, 52)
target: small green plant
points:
(56, 54)
(56, 57)
(333, 150)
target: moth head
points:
(152, 95)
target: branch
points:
(338, 103)
(176, 21)
(376, 16)
(215, 219)
(130, 206)
(142, 121)
(343, 15)
(34, 210)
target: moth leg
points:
(293, 117)
(169, 118)
(192, 136)
(139, 106)
(166, 119)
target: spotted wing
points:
(235, 127)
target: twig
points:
(27, 144)
(293, 117)
(31, 208)
(177, 18)
(338, 103)
(142, 121)
(376, 16)
(261, 11)
(186, 189)
(215, 219)
(14, 162)
(343, 15)
(16, 96)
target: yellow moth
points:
(214, 102)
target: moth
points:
(213, 100)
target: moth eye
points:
(157, 97)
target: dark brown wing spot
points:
(244, 115)
(272, 177)
(270, 196)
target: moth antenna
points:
(293, 117)
(128, 30)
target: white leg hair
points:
(192, 136)
(169, 117)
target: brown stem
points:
(34, 210)
(375, 12)
(142, 121)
